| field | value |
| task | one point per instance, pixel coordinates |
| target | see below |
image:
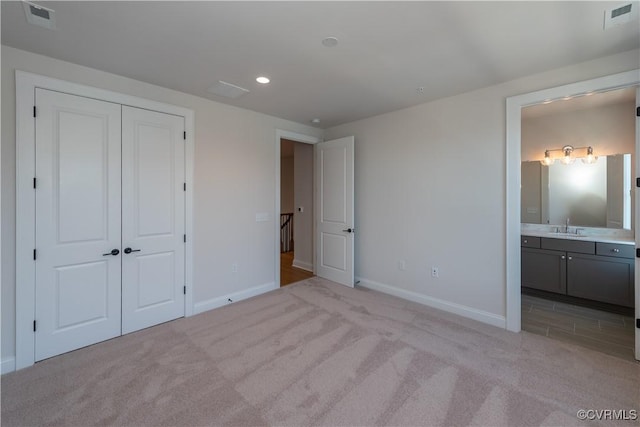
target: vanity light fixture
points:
(568, 155)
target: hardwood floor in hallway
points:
(290, 274)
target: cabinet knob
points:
(615, 250)
(562, 257)
(526, 241)
(570, 258)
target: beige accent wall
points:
(609, 129)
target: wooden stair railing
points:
(286, 232)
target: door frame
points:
(513, 179)
(26, 83)
(305, 139)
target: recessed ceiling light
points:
(263, 80)
(315, 121)
(330, 42)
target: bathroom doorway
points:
(577, 207)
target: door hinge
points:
(34, 254)
(184, 238)
(638, 323)
(184, 186)
(184, 135)
(35, 182)
(637, 111)
(34, 326)
(638, 253)
(35, 111)
(184, 290)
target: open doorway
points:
(296, 211)
(571, 260)
(576, 213)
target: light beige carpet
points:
(317, 353)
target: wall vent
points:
(620, 15)
(227, 90)
(39, 15)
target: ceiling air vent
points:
(39, 15)
(227, 90)
(620, 15)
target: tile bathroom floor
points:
(598, 330)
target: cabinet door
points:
(601, 278)
(544, 269)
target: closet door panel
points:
(78, 292)
(153, 209)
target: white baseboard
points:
(8, 364)
(303, 265)
(210, 304)
(451, 307)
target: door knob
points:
(129, 250)
(113, 252)
(349, 230)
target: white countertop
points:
(603, 235)
(587, 238)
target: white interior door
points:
(77, 222)
(335, 219)
(153, 212)
(637, 225)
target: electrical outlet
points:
(234, 267)
(435, 272)
(402, 265)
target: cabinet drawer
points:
(529, 242)
(579, 246)
(614, 249)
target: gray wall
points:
(430, 186)
(234, 179)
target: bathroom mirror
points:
(589, 195)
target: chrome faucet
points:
(566, 229)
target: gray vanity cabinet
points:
(544, 269)
(592, 270)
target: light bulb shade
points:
(590, 158)
(568, 158)
(547, 161)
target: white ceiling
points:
(386, 49)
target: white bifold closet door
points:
(110, 220)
